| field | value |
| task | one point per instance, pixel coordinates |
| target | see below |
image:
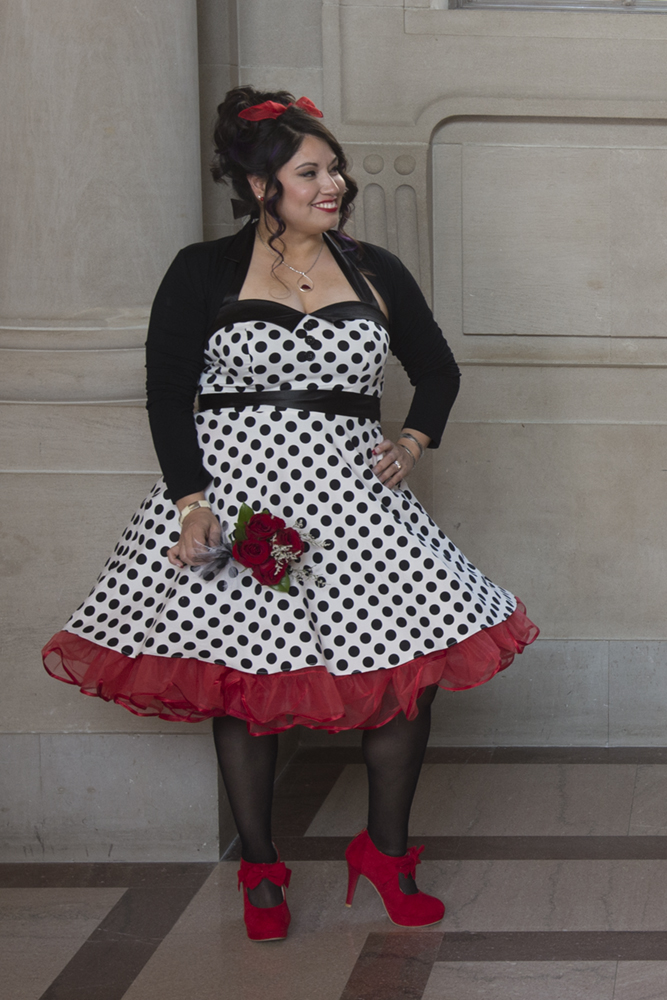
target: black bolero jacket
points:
(183, 318)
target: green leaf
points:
(284, 585)
(245, 514)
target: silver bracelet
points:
(411, 437)
(405, 448)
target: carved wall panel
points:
(551, 230)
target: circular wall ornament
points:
(404, 164)
(373, 164)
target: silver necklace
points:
(307, 284)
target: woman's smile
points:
(327, 206)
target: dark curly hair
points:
(262, 148)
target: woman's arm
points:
(418, 343)
(200, 529)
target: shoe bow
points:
(251, 875)
(407, 865)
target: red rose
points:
(263, 526)
(251, 552)
(269, 573)
(290, 537)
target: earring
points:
(261, 197)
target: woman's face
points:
(312, 188)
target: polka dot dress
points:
(394, 586)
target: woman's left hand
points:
(392, 463)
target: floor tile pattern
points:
(41, 929)
(552, 862)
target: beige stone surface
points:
(20, 793)
(272, 34)
(640, 980)
(407, 227)
(99, 159)
(413, 72)
(637, 693)
(549, 229)
(129, 797)
(566, 516)
(536, 241)
(66, 438)
(110, 797)
(208, 954)
(556, 395)
(41, 930)
(280, 47)
(522, 981)
(557, 234)
(554, 694)
(502, 800)
(375, 215)
(217, 31)
(215, 79)
(649, 809)
(639, 220)
(549, 895)
(556, 131)
(540, 25)
(73, 376)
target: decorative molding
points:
(72, 362)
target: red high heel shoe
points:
(382, 871)
(265, 923)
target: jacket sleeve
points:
(174, 361)
(418, 343)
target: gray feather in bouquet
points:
(217, 557)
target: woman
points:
(284, 331)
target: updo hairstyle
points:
(244, 147)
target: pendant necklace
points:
(307, 284)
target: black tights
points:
(393, 755)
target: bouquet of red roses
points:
(266, 546)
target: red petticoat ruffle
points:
(189, 690)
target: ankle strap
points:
(251, 875)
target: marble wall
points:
(99, 187)
(515, 162)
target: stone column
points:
(99, 187)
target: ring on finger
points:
(397, 464)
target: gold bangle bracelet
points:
(195, 505)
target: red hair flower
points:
(272, 109)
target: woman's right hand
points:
(199, 530)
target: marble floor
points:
(552, 863)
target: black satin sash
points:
(344, 404)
